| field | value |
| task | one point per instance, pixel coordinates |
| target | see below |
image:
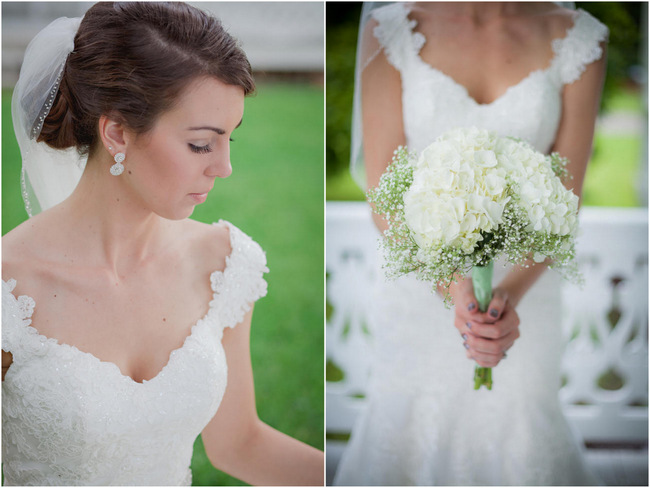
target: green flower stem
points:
(482, 281)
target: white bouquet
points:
(469, 198)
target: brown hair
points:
(131, 60)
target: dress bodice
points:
(69, 418)
(433, 102)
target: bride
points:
(529, 70)
(125, 327)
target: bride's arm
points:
(383, 129)
(7, 359)
(580, 103)
(239, 443)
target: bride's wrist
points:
(520, 279)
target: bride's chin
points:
(179, 213)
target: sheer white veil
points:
(48, 175)
(365, 54)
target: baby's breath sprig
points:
(559, 166)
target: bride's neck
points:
(478, 12)
(119, 228)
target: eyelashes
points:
(200, 149)
(203, 149)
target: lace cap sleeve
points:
(394, 31)
(16, 316)
(241, 283)
(580, 47)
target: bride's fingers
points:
(491, 346)
(463, 324)
(509, 323)
(485, 360)
(464, 299)
(497, 305)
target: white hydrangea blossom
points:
(470, 197)
(461, 186)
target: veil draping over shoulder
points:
(48, 175)
(367, 50)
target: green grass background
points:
(275, 194)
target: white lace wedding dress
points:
(70, 419)
(424, 424)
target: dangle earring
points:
(118, 168)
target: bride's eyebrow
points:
(214, 129)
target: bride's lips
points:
(199, 197)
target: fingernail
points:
(464, 336)
(471, 306)
(494, 312)
(469, 326)
(466, 345)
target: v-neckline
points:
(412, 23)
(56, 343)
(465, 91)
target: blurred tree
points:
(341, 44)
(622, 18)
(625, 37)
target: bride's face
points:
(173, 167)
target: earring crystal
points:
(118, 168)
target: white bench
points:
(605, 367)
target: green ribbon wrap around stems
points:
(482, 281)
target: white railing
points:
(605, 365)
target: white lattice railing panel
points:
(606, 359)
(351, 246)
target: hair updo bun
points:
(131, 60)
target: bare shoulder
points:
(209, 244)
(24, 247)
(18, 240)
(554, 19)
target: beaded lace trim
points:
(47, 106)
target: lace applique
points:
(16, 317)
(241, 283)
(579, 48)
(394, 32)
(24, 303)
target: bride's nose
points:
(220, 166)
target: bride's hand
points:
(487, 336)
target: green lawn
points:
(625, 100)
(275, 194)
(613, 172)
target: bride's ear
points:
(112, 134)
